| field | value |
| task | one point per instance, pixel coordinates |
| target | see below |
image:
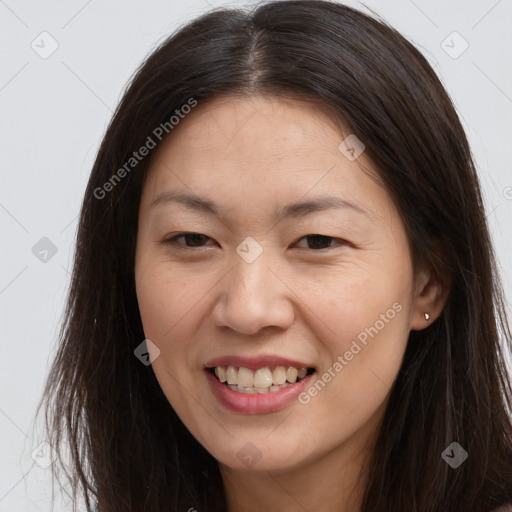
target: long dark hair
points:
(129, 451)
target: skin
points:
(297, 299)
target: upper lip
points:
(254, 363)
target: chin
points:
(262, 455)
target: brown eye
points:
(318, 242)
(191, 239)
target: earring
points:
(427, 316)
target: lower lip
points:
(255, 403)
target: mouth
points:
(262, 380)
(257, 385)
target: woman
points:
(284, 295)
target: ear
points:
(431, 292)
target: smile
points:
(263, 380)
(256, 385)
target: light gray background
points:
(54, 112)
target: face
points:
(291, 269)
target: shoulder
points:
(504, 508)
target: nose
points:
(253, 297)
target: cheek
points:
(165, 304)
(163, 297)
(171, 311)
(161, 305)
(362, 321)
(358, 296)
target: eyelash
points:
(173, 239)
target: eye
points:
(195, 239)
(319, 242)
(315, 242)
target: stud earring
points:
(427, 316)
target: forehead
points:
(261, 147)
(255, 127)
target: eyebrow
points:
(297, 209)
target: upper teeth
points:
(261, 378)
